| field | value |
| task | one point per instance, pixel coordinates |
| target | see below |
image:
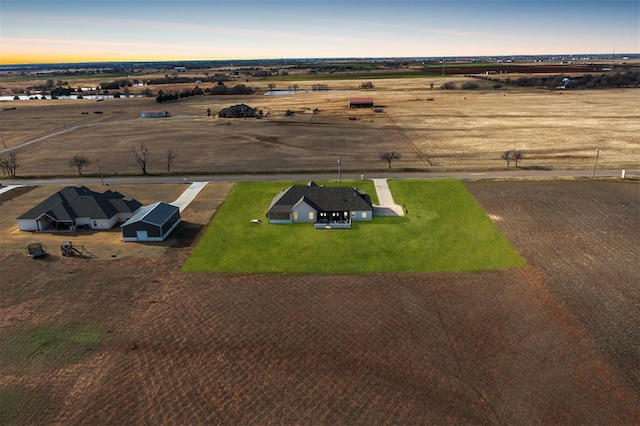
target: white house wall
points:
(96, 223)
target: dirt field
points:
(456, 130)
(553, 343)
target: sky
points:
(46, 31)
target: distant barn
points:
(361, 103)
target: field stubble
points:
(532, 345)
(457, 129)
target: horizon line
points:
(274, 59)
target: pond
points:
(297, 92)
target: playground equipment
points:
(67, 249)
(36, 250)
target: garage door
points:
(142, 235)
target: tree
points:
(9, 165)
(470, 85)
(79, 162)
(517, 157)
(389, 157)
(507, 156)
(512, 155)
(271, 86)
(142, 157)
(170, 157)
(451, 85)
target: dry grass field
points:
(457, 130)
(553, 343)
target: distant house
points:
(324, 206)
(154, 114)
(78, 208)
(237, 111)
(361, 103)
(151, 223)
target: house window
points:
(353, 215)
(310, 215)
(364, 215)
(295, 215)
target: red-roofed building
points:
(361, 103)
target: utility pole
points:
(595, 166)
(340, 169)
(101, 175)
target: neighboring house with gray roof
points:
(78, 208)
(324, 206)
(151, 223)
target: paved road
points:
(516, 174)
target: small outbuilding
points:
(154, 114)
(361, 103)
(151, 223)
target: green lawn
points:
(445, 231)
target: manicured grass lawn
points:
(445, 231)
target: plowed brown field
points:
(556, 342)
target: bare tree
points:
(9, 165)
(389, 157)
(170, 157)
(517, 157)
(507, 156)
(142, 157)
(512, 155)
(79, 162)
(271, 86)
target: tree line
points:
(586, 81)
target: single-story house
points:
(237, 111)
(151, 223)
(78, 208)
(361, 103)
(321, 205)
(154, 114)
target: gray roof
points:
(155, 214)
(321, 198)
(73, 202)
